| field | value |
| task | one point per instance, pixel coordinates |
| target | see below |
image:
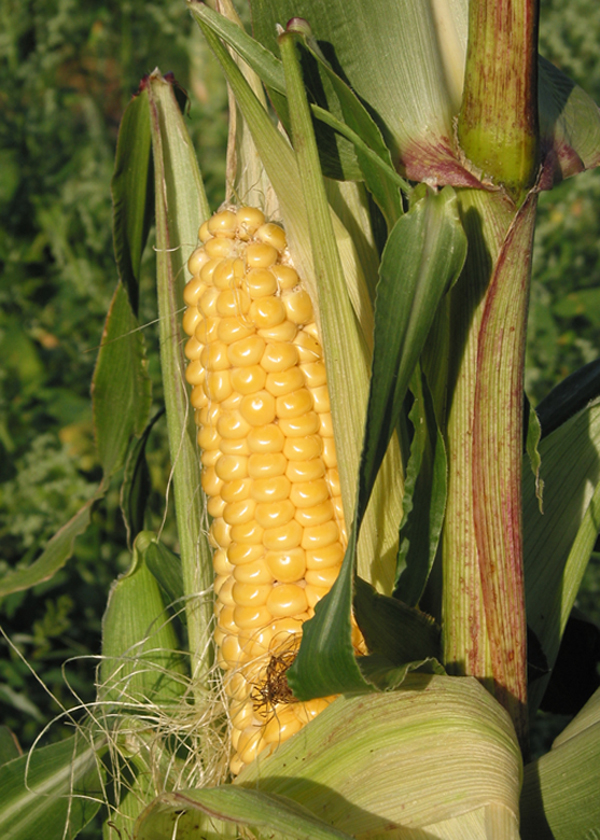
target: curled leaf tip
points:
(300, 26)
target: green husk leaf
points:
(532, 442)
(136, 485)
(140, 663)
(58, 550)
(386, 676)
(424, 499)
(132, 194)
(121, 388)
(266, 816)
(557, 545)
(381, 765)
(53, 792)
(166, 568)
(181, 206)
(559, 800)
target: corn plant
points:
(397, 538)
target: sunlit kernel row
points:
(269, 467)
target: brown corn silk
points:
(259, 390)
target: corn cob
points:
(269, 472)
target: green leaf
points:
(121, 388)
(9, 746)
(54, 556)
(136, 485)
(424, 500)
(166, 568)
(267, 816)
(559, 800)
(53, 792)
(532, 441)
(557, 544)
(570, 396)
(181, 207)
(140, 660)
(131, 189)
(379, 765)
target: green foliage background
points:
(72, 68)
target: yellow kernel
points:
(279, 356)
(210, 457)
(237, 513)
(272, 234)
(230, 467)
(266, 465)
(246, 352)
(232, 402)
(228, 274)
(308, 424)
(218, 385)
(209, 414)
(208, 269)
(298, 306)
(248, 618)
(236, 765)
(255, 643)
(232, 302)
(303, 449)
(257, 572)
(234, 328)
(236, 490)
(284, 382)
(329, 454)
(251, 743)
(221, 564)
(309, 493)
(286, 276)
(191, 318)
(196, 261)
(232, 426)
(239, 554)
(281, 726)
(198, 398)
(223, 223)
(230, 654)
(214, 356)
(225, 620)
(195, 373)
(309, 348)
(220, 531)
(275, 489)
(333, 480)
(208, 302)
(234, 446)
(215, 506)
(295, 404)
(308, 711)
(274, 514)
(193, 348)
(219, 248)
(261, 255)
(320, 397)
(207, 330)
(268, 438)
(224, 590)
(316, 515)
(267, 312)
(248, 380)
(286, 599)
(313, 330)
(248, 532)
(286, 331)
(249, 219)
(260, 282)
(323, 577)
(315, 374)
(324, 558)
(286, 632)
(203, 233)
(320, 536)
(287, 566)
(258, 409)
(305, 470)
(314, 594)
(249, 594)
(284, 537)
(241, 714)
(326, 424)
(211, 483)
(192, 291)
